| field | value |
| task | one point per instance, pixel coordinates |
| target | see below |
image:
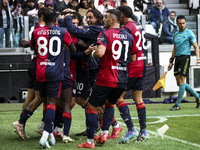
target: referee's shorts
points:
(181, 66)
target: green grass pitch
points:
(183, 132)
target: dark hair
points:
(123, 1)
(76, 15)
(41, 11)
(30, 1)
(49, 5)
(126, 10)
(115, 12)
(97, 14)
(180, 17)
(2, 7)
(173, 12)
(49, 15)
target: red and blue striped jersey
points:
(113, 65)
(138, 68)
(49, 42)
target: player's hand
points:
(60, 17)
(80, 27)
(21, 41)
(198, 61)
(90, 49)
(170, 66)
(68, 14)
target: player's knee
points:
(81, 101)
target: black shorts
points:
(51, 89)
(100, 94)
(135, 84)
(66, 84)
(73, 88)
(33, 83)
(181, 66)
(85, 79)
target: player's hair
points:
(180, 17)
(76, 15)
(173, 12)
(116, 13)
(41, 11)
(97, 14)
(126, 10)
(49, 15)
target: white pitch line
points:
(175, 139)
(165, 136)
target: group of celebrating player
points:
(114, 62)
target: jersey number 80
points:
(42, 48)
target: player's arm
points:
(196, 47)
(72, 48)
(101, 49)
(171, 59)
(133, 58)
(81, 43)
(24, 43)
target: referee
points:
(183, 39)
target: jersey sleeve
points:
(75, 40)
(102, 39)
(192, 38)
(67, 39)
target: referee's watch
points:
(171, 60)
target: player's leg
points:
(82, 92)
(40, 127)
(181, 83)
(53, 90)
(19, 125)
(97, 99)
(125, 113)
(74, 87)
(66, 96)
(58, 120)
(108, 115)
(33, 105)
(141, 110)
(189, 89)
(181, 69)
(29, 98)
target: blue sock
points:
(49, 117)
(91, 122)
(189, 89)
(44, 111)
(141, 110)
(67, 119)
(180, 93)
(108, 116)
(24, 117)
(125, 114)
(58, 116)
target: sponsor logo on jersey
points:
(47, 62)
(101, 39)
(139, 27)
(142, 58)
(118, 68)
